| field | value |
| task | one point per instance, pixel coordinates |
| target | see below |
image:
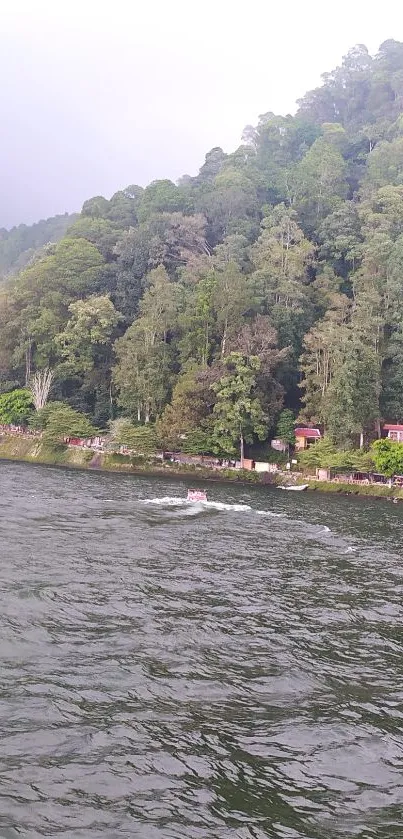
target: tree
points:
(282, 257)
(192, 401)
(66, 422)
(385, 165)
(233, 299)
(388, 457)
(341, 237)
(42, 294)
(199, 441)
(322, 348)
(99, 231)
(159, 196)
(90, 327)
(238, 413)
(351, 405)
(15, 407)
(40, 418)
(40, 386)
(345, 93)
(320, 182)
(198, 321)
(259, 338)
(230, 204)
(138, 438)
(171, 240)
(143, 369)
(84, 355)
(23, 244)
(285, 427)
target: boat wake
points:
(171, 501)
(306, 530)
(199, 506)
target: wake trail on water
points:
(195, 508)
(170, 501)
(199, 506)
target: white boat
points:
(296, 488)
(196, 495)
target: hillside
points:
(272, 279)
(21, 244)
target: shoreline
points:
(34, 452)
(30, 450)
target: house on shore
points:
(394, 432)
(305, 437)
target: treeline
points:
(273, 279)
(21, 245)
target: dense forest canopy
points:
(22, 244)
(273, 279)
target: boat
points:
(196, 495)
(296, 488)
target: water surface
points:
(223, 671)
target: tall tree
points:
(143, 370)
(238, 413)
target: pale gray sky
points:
(96, 95)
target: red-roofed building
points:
(394, 432)
(305, 437)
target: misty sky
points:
(98, 95)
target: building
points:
(305, 437)
(247, 464)
(262, 466)
(394, 432)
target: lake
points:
(172, 671)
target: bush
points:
(138, 438)
(388, 457)
(15, 407)
(67, 422)
(40, 419)
(324, 454)
(198, 442)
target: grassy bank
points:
(372, 490)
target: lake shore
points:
(31, 450)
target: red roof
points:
(389, 427)
(308, 432)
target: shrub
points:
(15, 407)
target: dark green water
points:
(176, 671)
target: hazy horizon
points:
(98, 98)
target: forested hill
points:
(273, 278)
(21, 244)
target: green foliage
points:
(199, 441)
(90, 326)
(39, 419)
(183, 417)
(238, 414)
(285, 427)
(22, 244)
(324, 454)
(388, 457)
(138, 438)
(15, 407)
(287, 252)
(66, 422)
